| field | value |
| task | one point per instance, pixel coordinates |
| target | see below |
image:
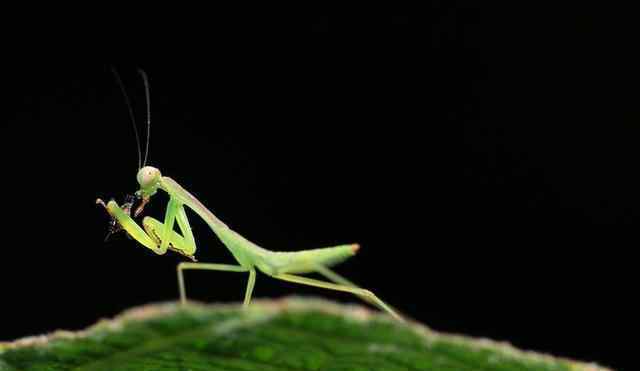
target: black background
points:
(309, 132)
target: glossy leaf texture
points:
(273, 335)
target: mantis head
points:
(149, 180)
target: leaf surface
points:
(279, 335)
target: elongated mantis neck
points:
(175, 190)
(237, 244)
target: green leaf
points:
(288, 334)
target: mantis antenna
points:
(133, 120)
(148, 96)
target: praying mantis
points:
(160, 237)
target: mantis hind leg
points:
(335, 277)
(362, 293)
(216, 267)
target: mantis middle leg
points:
(216, 267)
(176, 212)
(370, 296)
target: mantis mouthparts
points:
(140, 207)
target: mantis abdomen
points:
(306, 261)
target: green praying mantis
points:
(160, 237)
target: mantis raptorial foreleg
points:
(185, 228)
(128, 224)
(332, 286)
(216, 267)
(169, 219)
